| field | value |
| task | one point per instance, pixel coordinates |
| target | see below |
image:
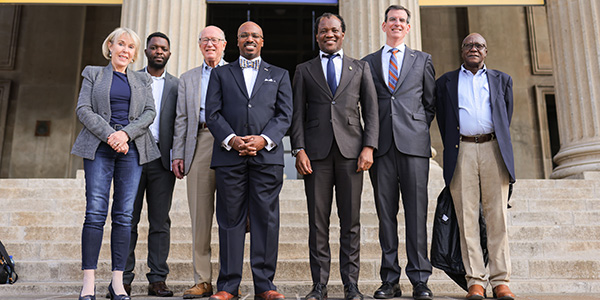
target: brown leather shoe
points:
(475, 292)
(269, 295)
(223, 295)
(199, 290)
(159, 289)
(502, 292)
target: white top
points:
(158, 86)
(474, 106)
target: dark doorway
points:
(552, 126)
(288, 30)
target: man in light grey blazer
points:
(157, 181)
(405, 81)
(192, 152)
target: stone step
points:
(27, 251)
(65, 270)
(442, 288)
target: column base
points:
(573, 161)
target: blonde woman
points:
(116, 108)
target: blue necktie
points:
(331, 73)
(393, 73)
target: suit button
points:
(249, 105)
(332, 102)
(457, 128)
(393, 97)
(456, 146)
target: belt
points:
(202, 125)
(482, 138)
(116, 127)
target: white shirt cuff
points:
(270, 145)
(225, 142)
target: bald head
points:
(250, 40)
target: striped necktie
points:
(393, 70)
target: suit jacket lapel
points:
(107, 76)
(263, 73)
(348, 70)
(407, 62)
(166, 89)
(238, 76)
(494, 84)
(378, 68)
(316, 72)
(452, 88)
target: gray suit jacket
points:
(93, 111)
(319, 116)
(406, 114)
(188, 116)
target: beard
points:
(153, 64)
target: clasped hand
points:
(118, 141)
(248, 145)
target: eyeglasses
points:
(470, 46)
(212, 40)
(245, 35)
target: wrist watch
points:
(295, 151)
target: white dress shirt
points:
(385, 60)
(158, 85)
(474, 106)
(337, 63)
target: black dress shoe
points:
(319, 292)
(388, 290)
(159, 289)
(422, 292)
(351, 292)
(114, 296)
(127, 290)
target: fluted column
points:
(574, 28)
(363, 25)
(180, 20)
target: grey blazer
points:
(188, 116)
(93, 111)
(406, 114)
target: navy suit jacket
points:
(230, 110)
(501, 99)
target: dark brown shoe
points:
(502, 292)
(269, 295)
(199, 290)
(223, 295)
(475, 292)
(159, 289)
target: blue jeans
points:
(99, 173)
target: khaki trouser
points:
(481, 174)
(201, 199)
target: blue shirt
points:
(474, 107)
(120, 94)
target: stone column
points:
(180, 20)
(363, 25)
(574, 30)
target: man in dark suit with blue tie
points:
(405, 80)
(332, 149)
(249, 109)
(474, 110)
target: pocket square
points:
(269, 80)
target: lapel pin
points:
(350, 68)
(266, 69)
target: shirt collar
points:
(340, 53)
(156, 77)
(206, 67)
(479, 72)
(387, 48)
